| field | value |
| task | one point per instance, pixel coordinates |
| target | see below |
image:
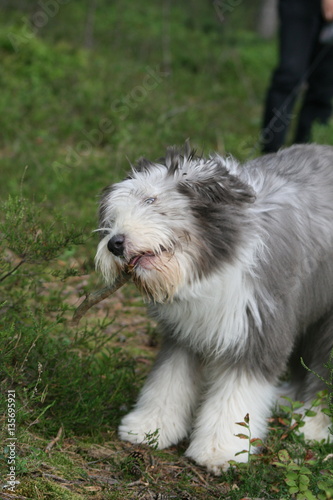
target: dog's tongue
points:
(135, 260)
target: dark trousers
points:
(303, 62)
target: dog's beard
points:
(157, 276)
(161, 281)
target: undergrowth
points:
(63, 377)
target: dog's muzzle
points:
(116, 245)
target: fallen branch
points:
(54, 441)
(95, 297)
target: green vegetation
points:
(83, 93)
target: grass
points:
(72, 121)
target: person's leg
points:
(299, 25)
(317, 104)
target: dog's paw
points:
(155, 429)
(213, 457)
(317, 427)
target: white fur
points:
(230, 396)
(167, 400)
(197, 327)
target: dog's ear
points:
(225, 189)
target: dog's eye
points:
(149, 201)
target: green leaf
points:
(305, 470)
(241, 453)
(290, 482)
(327, 487)
(284, 456)
(303, 487)
(309, 496)
(297, 405)
(310, 413)
(292, 475)
(287, 398)
(242, 436)
(286, 409)
(256, 442)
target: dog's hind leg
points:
(167, 400)
(315, 348)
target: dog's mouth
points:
(143, 259)
(134, 261)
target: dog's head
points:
(171, 222)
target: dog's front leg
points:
(230, 395)
(167, 400)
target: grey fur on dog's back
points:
(236, 263)
(292, 276)
(294, 207)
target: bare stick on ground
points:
(54, 441)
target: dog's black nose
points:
(116, 245)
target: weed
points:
(298, 479)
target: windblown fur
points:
(236, 263)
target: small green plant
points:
(296, 476)
(31, 236)
(253, 442)
(298, 479)
(152, 438)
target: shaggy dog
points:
(236, 263)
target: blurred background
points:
(87, 86)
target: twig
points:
(12, 271)
(54, 441)
(95, 297)
(13, 496)
(136, 483)
(58, 479)
(197, 473)
(64, 483)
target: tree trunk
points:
(267, 18)
(90, 22)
